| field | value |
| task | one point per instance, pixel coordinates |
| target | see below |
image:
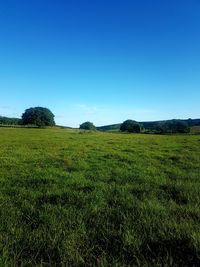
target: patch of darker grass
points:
(37, 183)
(31, 218)
(118, 157)
(84, 189)
(104, 230)
(172, 175)
(34, 254)
(142, 193)
(174, 159)
(171, 192)
(175, 251)
(128, 150)
(68, 198)
(194, 216)
(30, 183)
(53, 199)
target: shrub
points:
(130, 126)
(87, 126)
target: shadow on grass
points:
(77, 199)
(44, 254)
(175, 252)
(171, 192)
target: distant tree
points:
(87, 126)
(173, 126)
(38, 116)
(131, 126)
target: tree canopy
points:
(130, 126)
(38, 116)
(87, 126)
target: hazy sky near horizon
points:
(100, 60)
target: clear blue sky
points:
(101, 60)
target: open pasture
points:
(70, 198)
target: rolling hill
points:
(148, 125)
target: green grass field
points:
(98, 199)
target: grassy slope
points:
(71, 199)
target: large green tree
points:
(87, 126)
(38, 116)
(130, 126)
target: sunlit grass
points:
(70, 198)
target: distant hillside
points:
(148, 125)
(112, 127)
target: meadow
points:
(70, 198)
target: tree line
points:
(42, 117)
(10, 121)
